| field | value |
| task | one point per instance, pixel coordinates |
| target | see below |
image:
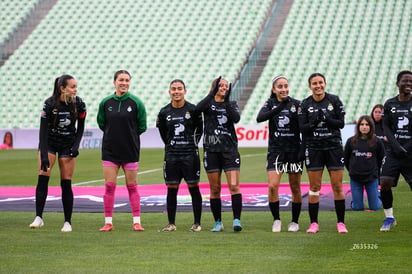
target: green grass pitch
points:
(254, 250)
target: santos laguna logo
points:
(252, 135)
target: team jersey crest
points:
(330, 107)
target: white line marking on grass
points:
(251, 155)
(118, 177)
(150, 171)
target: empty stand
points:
(359, 46)
(156, 41)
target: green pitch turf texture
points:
(254, 250)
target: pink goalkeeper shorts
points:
(125, 166)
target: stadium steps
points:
(24, 28)
(269, 36)
(359, 46)
(156, 41)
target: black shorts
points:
(177, 168)
(278, 161)
(218, 161)
(318, 159)
(63, 151)
(393, 166)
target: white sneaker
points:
(293, 227)
(277, 226)
(67, 227)
(37, 223)
(195, 228)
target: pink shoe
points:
(137, 227)
(341, 228)
(106, 228)
(313, 228)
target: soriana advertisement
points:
(252, 135)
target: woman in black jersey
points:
(376, 114)
(59, 138)
(397, 121)
(221, 149)
(180, 128)
(321, 117)
(283, 150)
(364, 153)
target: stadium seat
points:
(359, 46)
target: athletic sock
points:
(171, 204)
(387, 198)
(340, 210)
(296, 208)
(134, 198)
(216, 207)
(108, 199)
(196, 203)
(388, 212)
(237, 205)
(41, 194)
(274, 208)
(313, 212)
(67, 199)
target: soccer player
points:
(221, 149)
(122, 118)
(376, 115)
(397, 117)
(283, 150)
(364, 153)
(180, 128)
(59, 138)
(321, 116)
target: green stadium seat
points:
(335, 46)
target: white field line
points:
(118, 177)
(252, 155)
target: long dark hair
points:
(370, 137)
(373, 110)
(62, 82)
(8, 133)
